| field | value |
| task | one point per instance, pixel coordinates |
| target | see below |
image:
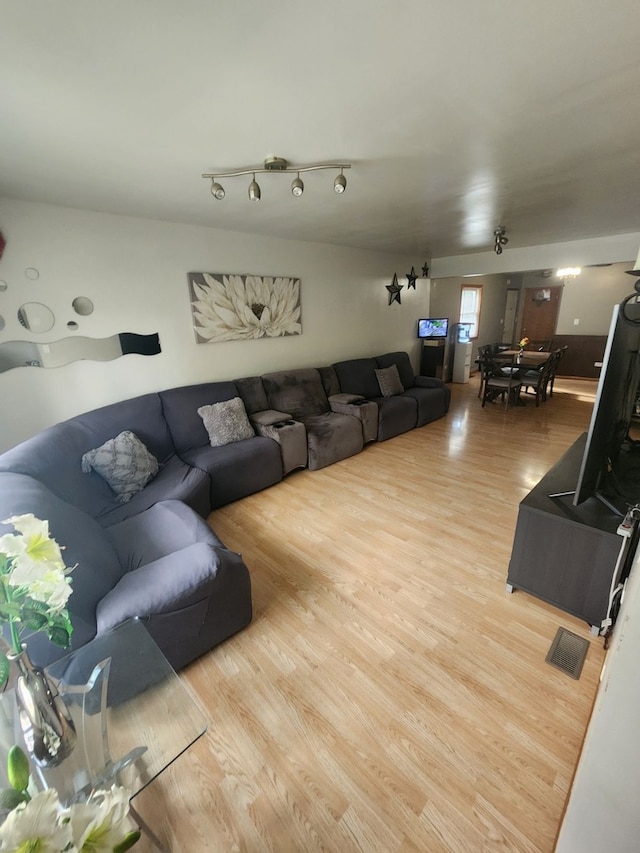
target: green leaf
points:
(35, 621)
(127, 842)
(17, 769)
(5, 667)
(61, 636)
(10, 798)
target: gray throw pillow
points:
(226, 422)
(124, 463)
(389, 381)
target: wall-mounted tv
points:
(433, 328)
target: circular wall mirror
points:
(82, 305)
(3, 286)
(36, 317)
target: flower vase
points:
(49, 732)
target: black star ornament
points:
(412, 276)
(425, 270)
(394, 290)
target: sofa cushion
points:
(226, 422)
(389, 381)
(180, 407)
(329, 380)
(331, 437)
(124, 462)
(53, 455)
(358, 376)
(252, 393)
(299, 392)
(402, 362)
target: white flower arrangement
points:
(40, 823)
(34, 584)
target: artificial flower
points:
(35, 827)
(34, 582)
(103, 823)
(524, 341)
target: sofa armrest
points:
(345, 398)
(428, 382)
(268, 417)
(169, 583)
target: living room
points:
(127, 251)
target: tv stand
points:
(563, 554)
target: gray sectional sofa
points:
(126, 488)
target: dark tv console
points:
(564, 554)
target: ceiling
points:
(457, 115)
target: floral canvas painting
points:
(239, 307)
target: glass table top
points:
(133, 714)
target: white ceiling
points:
(457, 115)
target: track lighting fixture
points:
(217, 190)
(254, 190)
(500, 239)
(297, 187)
(277, 164)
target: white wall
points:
(135, 273)
(602, 812)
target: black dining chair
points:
(538, 380)
(498, 384)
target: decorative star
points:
(412, 276)
(394, 290)
(425, 270)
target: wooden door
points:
(540, 312)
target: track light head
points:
(297, 187)
(340, 183)
(254, 190)
(217, 190)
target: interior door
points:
(510, 314)
(540, 312)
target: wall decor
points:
(58, 353)
(229, 307)
(3, 243)
(412, 276)
(394, 290)
(425, 269)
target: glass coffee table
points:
(133, 716)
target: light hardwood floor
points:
(389, 694)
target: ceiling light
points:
(569, 272)
(254, 190)
(277, 165)
(297, 187)
(500, 239)
(217, 190)
(340, 183)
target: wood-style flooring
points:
(389, 695)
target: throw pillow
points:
(124, 463)
(389, 381)
(226, 422)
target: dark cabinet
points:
(562, 554)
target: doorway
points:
(540, 314)
(510, 316)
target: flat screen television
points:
(610, 466)
(433, 328)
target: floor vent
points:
(568, 652)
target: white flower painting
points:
(240, 307)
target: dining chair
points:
(483, 351)
(496, 383)
(559, 354)
(538, 380)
